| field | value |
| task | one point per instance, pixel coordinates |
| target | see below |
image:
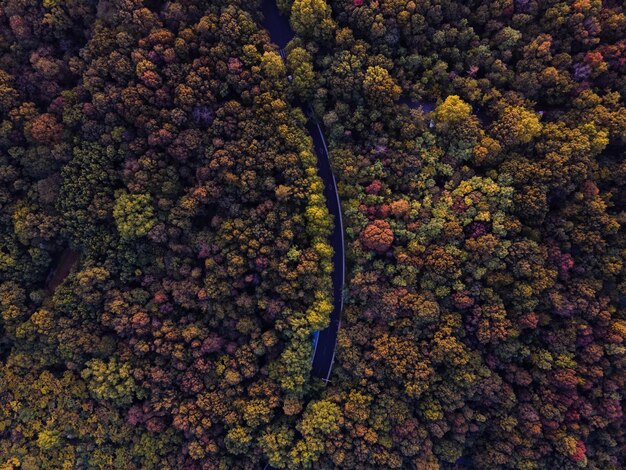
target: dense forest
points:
(164, 254)
(153, 153)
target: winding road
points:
(324, 341)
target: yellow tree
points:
(379, 87)
(272, 65)
(300, 65)
(516, 125)
(312, 18)
(133, 215)
(451, 112)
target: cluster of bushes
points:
(485, 313)
(151, 151)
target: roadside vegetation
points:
(479, 153)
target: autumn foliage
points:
(377, 236)
(164, 254)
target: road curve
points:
(325, 345)
(325, 341)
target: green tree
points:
(111, 380)
(300, 65)
(133, 215)
(312, 18)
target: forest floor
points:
(62, 269)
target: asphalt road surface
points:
(326, 341)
